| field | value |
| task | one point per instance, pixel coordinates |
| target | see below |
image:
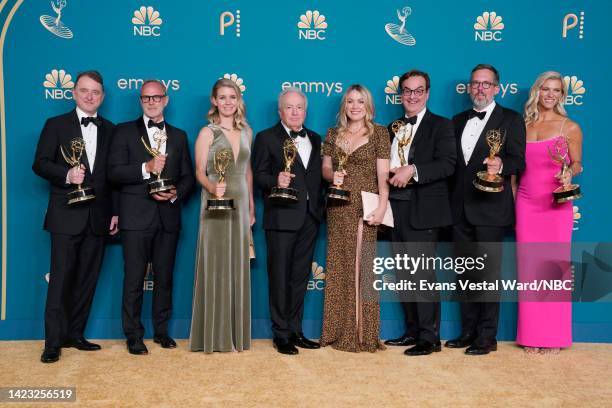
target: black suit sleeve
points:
(186, 180)
(514, 157)
(444, 155)
(45, 164)
(120, 170)
(262, 164)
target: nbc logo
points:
(318, 277)
(146, 22)
(488, 27)
(149, 281)
(312, 26)
(238, 81)
(58, 85)
(577, 217)
(227, 19)
(570, 21)
(575, 90)
(392, 95)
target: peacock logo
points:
(237, 80)
(317, 282)
(575, 90)
(392, 88)
(312, 26)
(58, 85)
(147, 22)
(488, 27)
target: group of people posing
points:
(422, 166)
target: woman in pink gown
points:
(543, 227)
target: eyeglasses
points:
(416, 92)
(148, 98)
(485, 84)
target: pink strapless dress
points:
(541, 221)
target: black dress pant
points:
(139, 248)
(290, 256)
(75, 266)
(479, 319)
(421, 310)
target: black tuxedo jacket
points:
(50, 165)
(127, 153)
(483, 208)
(433, 152)
(268, 161)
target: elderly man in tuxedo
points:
(291, 228)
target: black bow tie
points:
(90, 119)
(475, 114)
(294, 134)
(412, 120)
(159, 125)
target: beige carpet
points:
(579, 377)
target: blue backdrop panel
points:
(322, 47)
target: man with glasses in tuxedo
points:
(149, 223)
(480, 218)
(423, 155)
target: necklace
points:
(228, 129)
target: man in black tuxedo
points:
(291, 229)
(78, 231)
(150, 223)
(480, 218)
(419, 199)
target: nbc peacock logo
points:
(488, 27)
(392, 96)
(577, 217)
(317, 282)
(312, 26)
(147, 22)
(58, 85)
(237, 80)
(575, 90)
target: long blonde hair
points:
(213, 116)
(532, 113)
(342, 121)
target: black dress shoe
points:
(136, 346)
(285, 347)
(481, 350)
(50, 354)
(299, 340)
(82, 344)
(404, 341)
(165, 341)
(424, 348)
(460, 342)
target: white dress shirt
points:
(151, 132)
(471, 132)
(304, 147)
(90, 136)
(410, 129)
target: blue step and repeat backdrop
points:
(321, 47)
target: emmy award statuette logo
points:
(491, 183)
(399, 33)
(54, 24)
(559, 154)
(158, 184)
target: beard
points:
(480, 103)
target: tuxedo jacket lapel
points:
(75, 132)
(421, 133)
